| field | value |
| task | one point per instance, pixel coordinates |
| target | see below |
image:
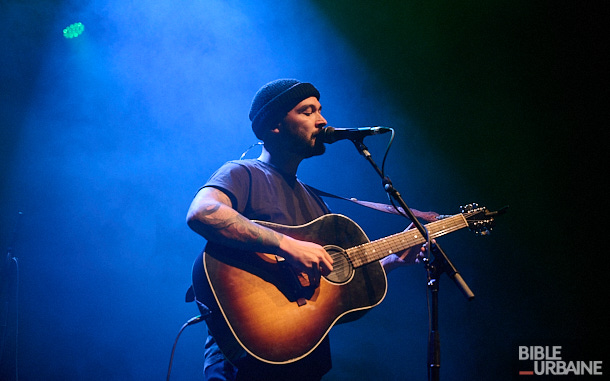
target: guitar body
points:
(260, 305)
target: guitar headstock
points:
(480, 219)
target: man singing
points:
(286, 115)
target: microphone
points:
(330, 134)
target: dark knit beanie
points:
(274, 100)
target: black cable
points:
(387, 151)
(5, 270)
(195, 320)
(16, 318)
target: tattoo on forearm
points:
(236, 227)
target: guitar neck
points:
(373, 251)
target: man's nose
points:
(321, 122)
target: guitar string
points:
(359, 255)
(383, 247)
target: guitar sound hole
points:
(342, 268)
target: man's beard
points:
(303, 146)
(318, 149)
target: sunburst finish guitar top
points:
(260, 305)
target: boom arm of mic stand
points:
(389, 188)
(444, 264)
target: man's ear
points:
(276, 130)
(270, 133)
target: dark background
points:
(105, 139)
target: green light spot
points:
(74, 30)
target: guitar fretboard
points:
(373, 251)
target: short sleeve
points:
(235, 181)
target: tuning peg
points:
(466, 208)
(469, 208)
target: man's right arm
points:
(211, 215)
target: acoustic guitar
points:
(260, 305)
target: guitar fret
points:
(373, 251)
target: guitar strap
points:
(369, 204)
(391, 209)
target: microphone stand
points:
(441, 264)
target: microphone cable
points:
(191, 321)
(243, 155)
(5, 270)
